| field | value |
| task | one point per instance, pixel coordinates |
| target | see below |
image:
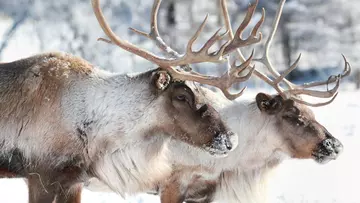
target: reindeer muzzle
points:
(327, 150)
(223, 143)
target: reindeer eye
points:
(294, 110)
(181, 97)
(295, 120)
(300, 121)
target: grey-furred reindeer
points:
(270, 129)
(64, 121)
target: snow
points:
(295, 181)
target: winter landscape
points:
(320, 30)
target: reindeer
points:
(64, 121)
(270, 129)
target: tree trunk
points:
(286, 44)
(170, 16)
(357, 79)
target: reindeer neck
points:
(253, 129)
(112, 106)
(246, 186)
(118, 114)
(254, 157)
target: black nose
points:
(338, 147)
(332, 147)
(332, 144)
(222, 141)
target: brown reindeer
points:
(270, 129)
(64, 121)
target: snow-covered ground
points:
(295, 181)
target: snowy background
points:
(319, 29)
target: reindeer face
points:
(302, 135)
(194, 121)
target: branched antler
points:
(293, 91)
(237, 41)
(190, 56)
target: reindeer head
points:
(190, 118)
(304, 137)
(301, 134)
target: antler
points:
(189, 57)
(237, 41)
(233, 44)
(224, 82)
(293, 90)
(154, 32)
(232, 75)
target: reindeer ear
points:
(269, 104)
(161, 80)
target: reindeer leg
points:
(171, 193)
(71, 195)
(69, 182)
(57, 186)
(38, 192)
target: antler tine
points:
(225, 13)
(237, 41)
(276, 83)
(315, 104)
(123, 43)
(322, 94)
(154, 34)
(265, 59)
(346, 72)
(233, 76)
(235, 70)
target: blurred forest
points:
(319, 29)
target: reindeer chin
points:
(322, 159)
(216, 151)
(218, 154)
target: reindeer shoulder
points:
(53, 65)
